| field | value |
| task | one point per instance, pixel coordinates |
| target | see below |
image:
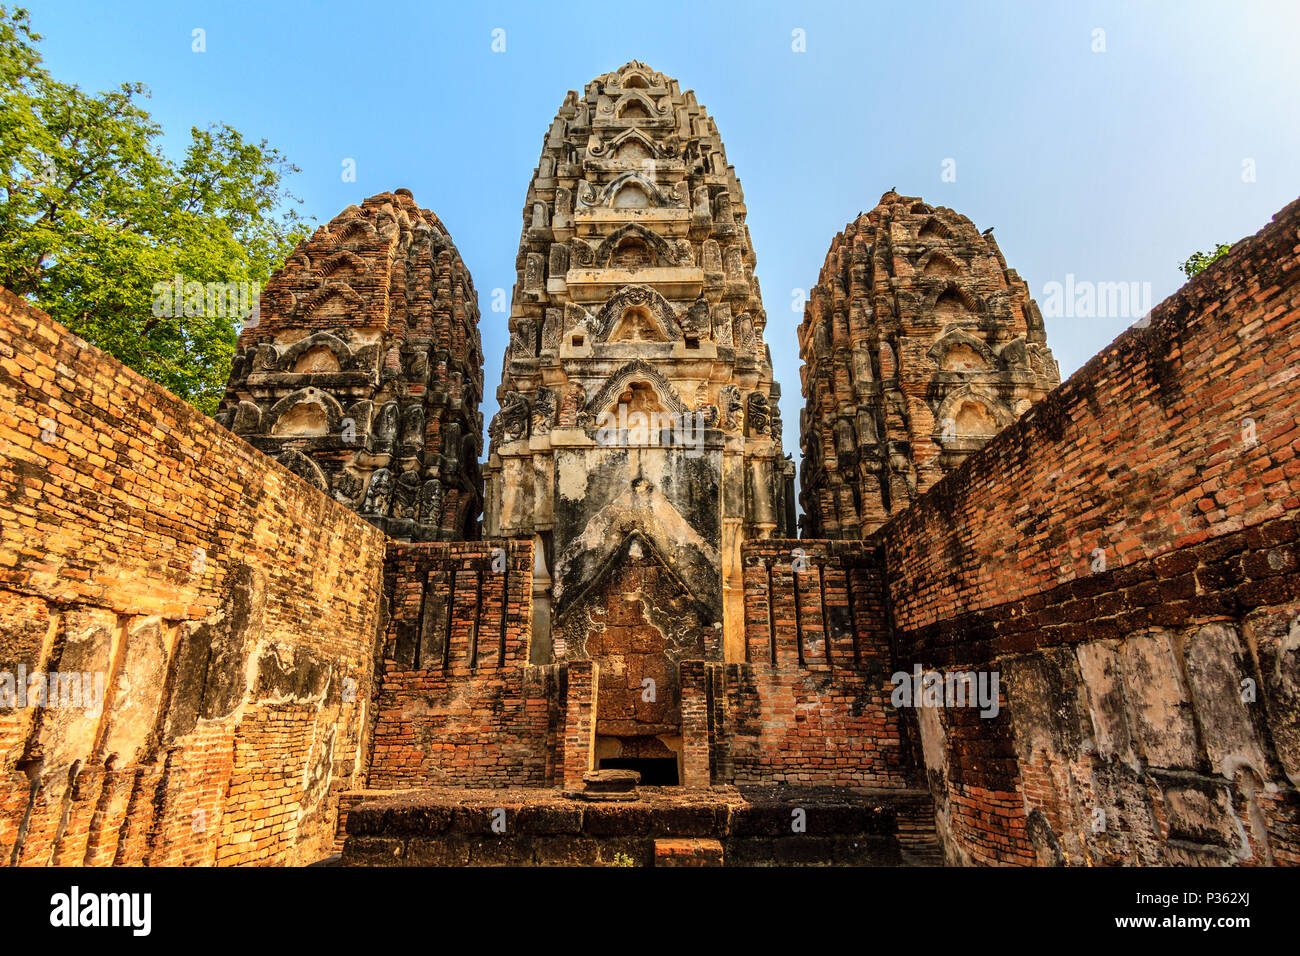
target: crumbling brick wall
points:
(1125, 558)
(810, 704)
(228, 607)
(458, 702)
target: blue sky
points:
(1111, 166)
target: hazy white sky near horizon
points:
(1108, 166)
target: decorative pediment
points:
(933, 228)
(651, 302)
(950, 303)
(324, 341)
(627, 139)
(304, 468)
(359, 229)
(960, 340)
(969, 413)
(636, 546)
(627, 190)
(640, 514)
(634, 75)
(637, 324)
(333, 297)
(308, 412)
(340, 261)
(635, 104)
(636, 371)
(662, 250)
(935, 263)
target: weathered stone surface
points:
(919, 344)
(1123, 556)
(1162, 713)
(1277, 637)
(672, 826)
(362, 370)
(610, 781)
(1215, 663)
(638, 439)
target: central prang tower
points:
(638, 440)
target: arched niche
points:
(932, 228)
(631, 195)
(318, 360)
(633, 253)
(937, 264)
(306, 413)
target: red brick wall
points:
(580, 721)
(451, 709)
(230, 608)
(1125, 558)
(810, 705)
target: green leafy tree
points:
(1200, 261)
(96, 221)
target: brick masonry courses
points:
(1124, 557)
(230, 609)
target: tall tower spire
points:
(363, 371)
(638, 439)
(918, 346)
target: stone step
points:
(666, 826)
(688, 852)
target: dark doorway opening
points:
(654, 771)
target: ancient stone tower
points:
(363, 371)
(918, 345)
(638, 441)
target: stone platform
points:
(730, 826)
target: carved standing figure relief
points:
(543, 410)
(378, 493)
(758, 414)
(722, 327)
(451, 451)
(514, 417)
(405, 495)
(524, 342)
(745, 337)
(846, 443)
(552, 331)
(413, 426)
(419, 373)
(575, 398)
(732, 407)
(821, 343)
(695, 320)
(431, 503)
(386, 425)
(347, 488)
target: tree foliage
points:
(1200, 261)
(94, 215)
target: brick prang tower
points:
(918, 346)
(636, 302)
(363, 370)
